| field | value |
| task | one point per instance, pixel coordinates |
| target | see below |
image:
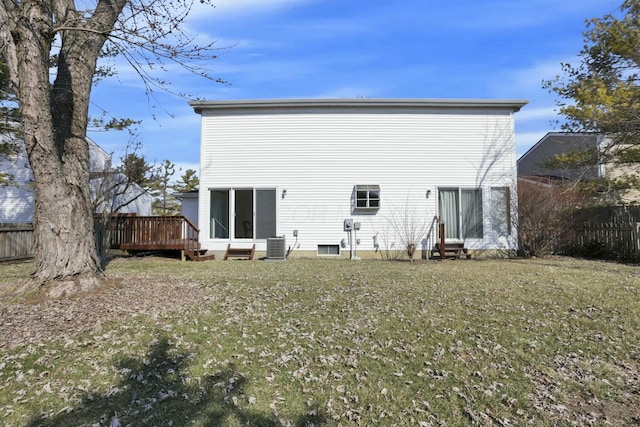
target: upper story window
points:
(366, 198)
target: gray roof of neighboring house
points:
(553, 143)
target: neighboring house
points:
(112, 191)
(18, 195)
(558, 143)
(300, 168)
(531, 164)
(189, 205)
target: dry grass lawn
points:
(327, 342)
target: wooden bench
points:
(240, 253)
(451, 250)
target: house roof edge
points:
(513, 104)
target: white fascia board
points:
(202, 105)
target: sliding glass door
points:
(243, 213)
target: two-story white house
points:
(340, 176)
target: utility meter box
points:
(348, 224)
(356, 225)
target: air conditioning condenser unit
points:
(276, 248)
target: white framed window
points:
(501, 210)
(461, 211)
(243, 213)
(366, 198)
(329, 250)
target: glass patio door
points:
(243, 213)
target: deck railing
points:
(153, 233)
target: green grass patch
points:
(335, 342)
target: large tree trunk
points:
(54, 121)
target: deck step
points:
(240, 253)
(199, 257)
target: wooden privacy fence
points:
(16, 241)
(612, 240)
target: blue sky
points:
(490, 49)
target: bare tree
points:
(544, 215)
(410, 227)
(388, 250)
(54, 115)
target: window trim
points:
(365, 203)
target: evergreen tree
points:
(602, 95)
(160, 185)
(136, 168)
(188, 182)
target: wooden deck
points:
(137, 234)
